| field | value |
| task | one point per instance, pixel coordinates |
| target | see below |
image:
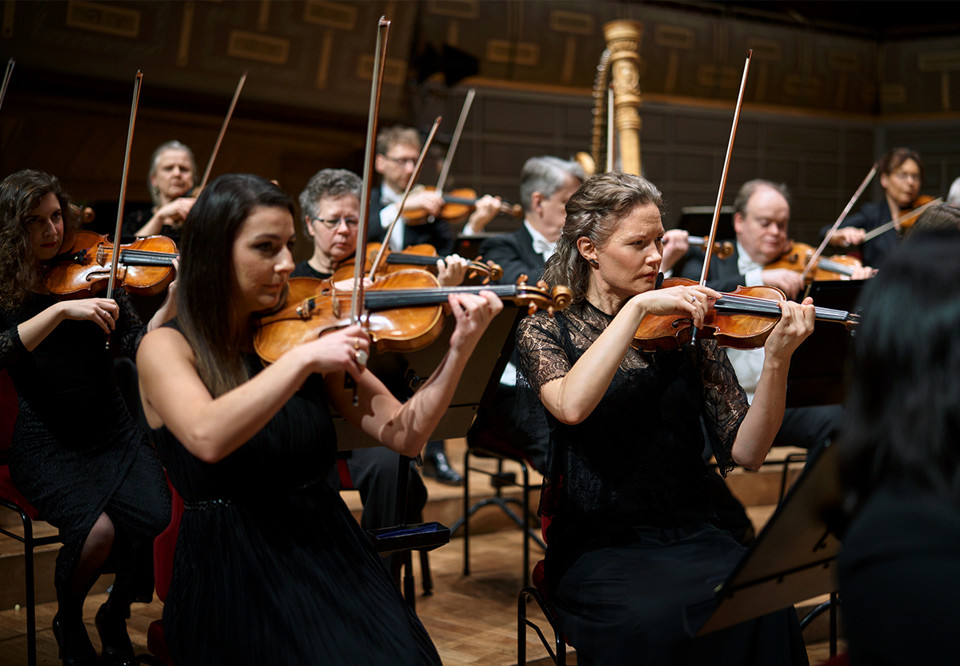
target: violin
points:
(458, 204)
(402, 311)
(416, 256)
(907, 222)
(798, 256)
(145, 266)
(741, 320)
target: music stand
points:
(817, 369)
(697, 220)
(792, 559)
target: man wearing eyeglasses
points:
(901, 176)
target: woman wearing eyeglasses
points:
(901, 176)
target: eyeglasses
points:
(402, 161)
(351, 222)
(905, 176)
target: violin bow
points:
(6, 80)
(836, 225)
(356, 302)
(448, 159)
(723, 176)
(378, 260)
(223, 130)
(115, 263)
(892, 223)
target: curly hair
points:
(20, 194)
(330, 183)
(594, 211)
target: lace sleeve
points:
(539, 350)
(130, 328)
(725, 403)
(11, 347)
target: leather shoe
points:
(438, 467)
(75, 648)
(114, 641)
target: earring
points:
(594, 263)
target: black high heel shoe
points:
(75, 648)
(114, 641)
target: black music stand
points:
(818, 366)
(404, 373)
(792, 559)
(697, 220)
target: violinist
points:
(397, 152)
(632, 544)
(901, 177)
(265, 541)
(546, 183)
(170, 181)
(77, 455)
(761, 222)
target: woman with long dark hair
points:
(900, 460)
(270, 566)
(633, 545)
(77, 454)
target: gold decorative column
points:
(623, 44)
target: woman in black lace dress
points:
(76, 454)
(270, 567)
(633, 544)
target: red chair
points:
(11, 499)
(164, 546)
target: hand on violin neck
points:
(796, 323)
(788, 281)
(451, 270)
(862, 272)
(487, 208)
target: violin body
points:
(458, 204)
(742, 319)
(422, 257)
(146, 266)
(836, 267)
(402, 311)
(907, 222)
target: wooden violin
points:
(416, 256)
(402, 311)
(457, 204)
(798, 258)
(916, 208)
(145, 266)
(742, 320)
(721, 250)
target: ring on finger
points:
(360, 357)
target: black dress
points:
(270, 566)
(633, 542)
(76, 451)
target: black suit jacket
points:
(438, 233)
(724, 273)
(515, 254)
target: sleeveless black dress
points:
(270, 566)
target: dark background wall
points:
(832, 85)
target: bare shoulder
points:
(162, 344)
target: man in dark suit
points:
(545, 185)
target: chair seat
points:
(11, 494)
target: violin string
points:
(751, 305)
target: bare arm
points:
(572, 398)
(101, 311)
(405, 427)
(212, 428)
(763, 419)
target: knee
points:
(101, 537)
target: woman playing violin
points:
(632, 543)
(901, 177)
(77, 455)
(170, 180)
(249, 449)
